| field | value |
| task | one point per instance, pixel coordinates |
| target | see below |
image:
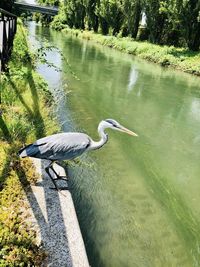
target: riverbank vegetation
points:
(164, 32)
(178, 58)
(163, 22)
(25, 116)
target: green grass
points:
(168, 56)
(25, 116)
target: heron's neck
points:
(104, 138)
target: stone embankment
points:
(54, 218)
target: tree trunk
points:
(104, 26)
(194, 41)
(136, 21)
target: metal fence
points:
(8, 27)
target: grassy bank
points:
(169, 56)
(25, 116)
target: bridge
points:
(8, 26)
(49, 10)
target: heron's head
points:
(113, 124)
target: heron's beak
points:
(125, 130)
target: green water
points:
(137, 199)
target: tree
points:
(110, 15)
(93, 20)
(171, 22)
(183, 22)
(190, 18)
(172, 33)
(80, 13)
(44, 18)
(155, 20)
(75, 13)
(132, 14)
(49, 2)
(6, 4)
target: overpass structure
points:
(49, 10)
(8, 26)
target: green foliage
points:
(168, 22)
(155, 20)
(75, 13)
(132, 13)
(18, 246)
(92, 18)
(60, 21)
(25, 115)
(190, 20)
(110, 14)
(48, 2)
(44, 18)
(20, 50)
(174, 22)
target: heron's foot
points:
(59, 177)
(63, 178)
(59, 189)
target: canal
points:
(137, 199)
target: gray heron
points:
(69, 145)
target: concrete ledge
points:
(54, 218)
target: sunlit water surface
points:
(137, 199)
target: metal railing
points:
(8, 27)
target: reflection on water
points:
(132, 78)
(137, 198)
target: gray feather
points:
(61, 146)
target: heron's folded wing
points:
(62, 146)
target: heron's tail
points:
(23, 152)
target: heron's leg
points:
(57, 175)
(48, 172)
(52, 179)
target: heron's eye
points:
(112, 123)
